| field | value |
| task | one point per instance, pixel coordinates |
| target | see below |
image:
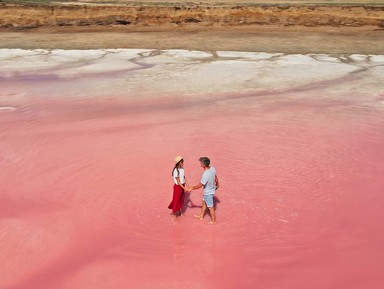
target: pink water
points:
(85, 184)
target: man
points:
(210, 182)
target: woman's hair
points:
(205, 161)
(176, 167)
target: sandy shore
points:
(330, 40)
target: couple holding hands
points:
(208, 181)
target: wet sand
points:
(290, 40)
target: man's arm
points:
(196, 187)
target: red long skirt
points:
(177, 202)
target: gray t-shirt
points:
(208, 181)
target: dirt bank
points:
(23, 16)
(230, 26)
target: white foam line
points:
(7, 108)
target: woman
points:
(179, 187)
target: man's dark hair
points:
(205, 161)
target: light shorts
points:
(208, 199)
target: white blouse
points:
(180, 175)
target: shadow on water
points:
(215, 202)
(189, 204)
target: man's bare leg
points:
(213, 216)
(203, 208)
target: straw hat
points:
(178, 158)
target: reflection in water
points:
(87, 140)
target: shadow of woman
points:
(188, 202)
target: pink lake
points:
(87, 142)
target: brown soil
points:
(243, 27)
(129, 15)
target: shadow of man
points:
(189, 204)
(216, 201)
